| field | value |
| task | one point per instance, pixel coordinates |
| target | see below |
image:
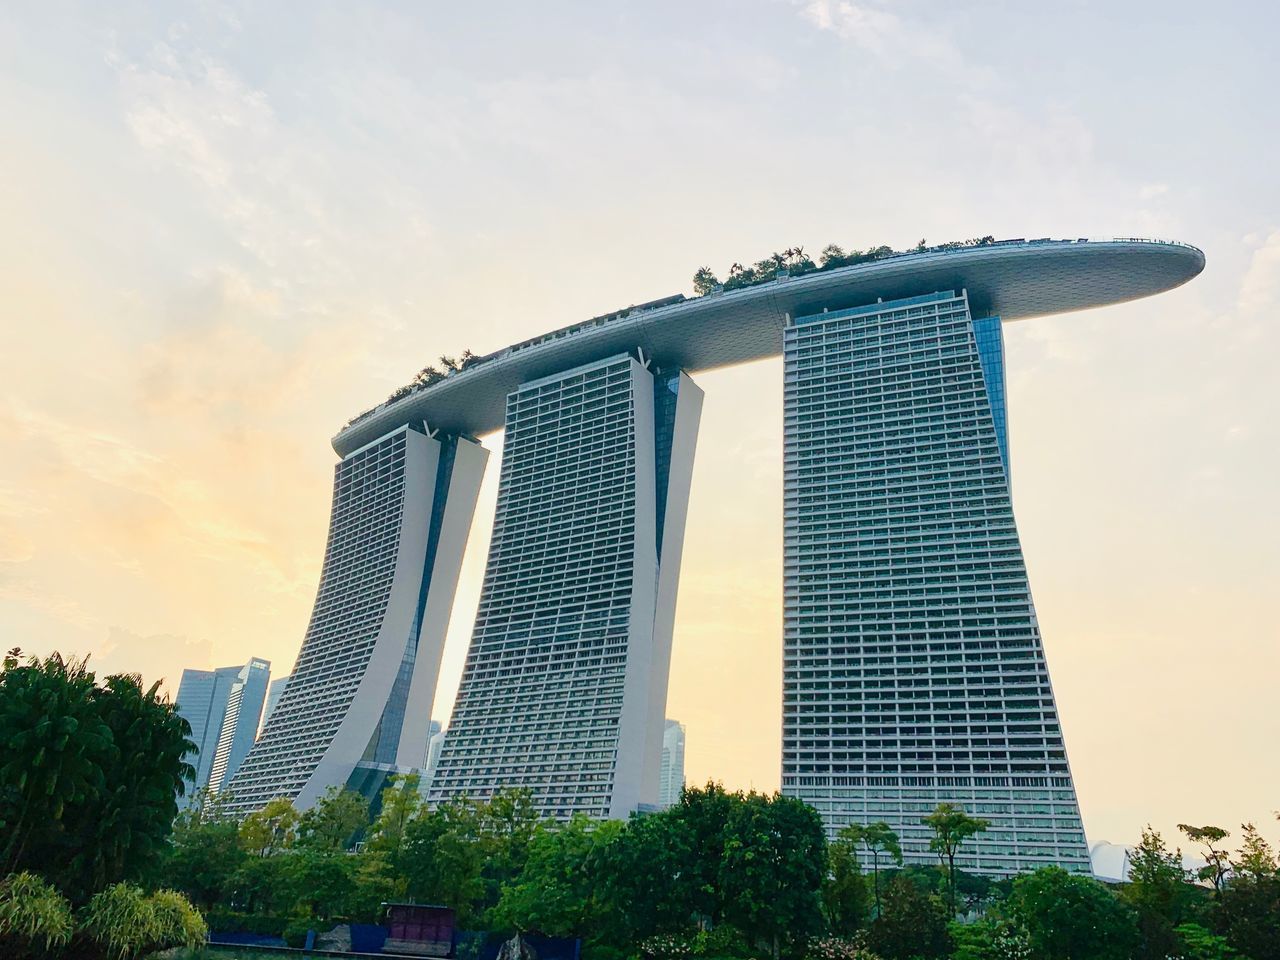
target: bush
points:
(229, 921)
(838, 948)
(121, 921)
(178, 923)
(34, 917)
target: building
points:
(222, 706)
(432, 760)
(914, 668)
(671, 776)
(565, 684)
(273, 697)
(358, 702)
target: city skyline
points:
(255, 311)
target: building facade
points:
(913, 667)
(671, 778)
(273, 697)
(358, 702)
(222, 706)
(564, 687)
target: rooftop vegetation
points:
(794, 262)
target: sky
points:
(226, 228)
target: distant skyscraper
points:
(432, 759)
(914, 672)
(564, 689)
(672, 777)
(273, 697)
(358, 703)
(222, 706)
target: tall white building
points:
(358, 702)
(913, 668)
(671, 779)
(565, 684)
(273, 697)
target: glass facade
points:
(913, 667)
(223, 707)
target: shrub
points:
(229, 921)
(121, 921)
(32, 915)
(178, 923)
(295, 934)
(838, 948)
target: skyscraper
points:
(914, 672)
(222, 706)
(671, 779)
(565, 683)
(358, 701)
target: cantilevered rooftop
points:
(1012, 279)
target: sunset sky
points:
(226, 228)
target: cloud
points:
(1260, 288)
(894, 41)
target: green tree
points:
(911, 923)
(649, 875)
(990, 938)
(1248, 915)
(844, 894)
(204, 853)
(772, 869)
(439, 857)
(1256, 858)
(879, 839)
(270, 830)
(321, 883)
(1217, 859)
(1070, 917)
(1198, 943)
(89, 774)
(557, 893)
(951, 827)
(333, 821)
(1158, 891)
(704, 281)
(260, 886)
(401, 802)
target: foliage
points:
(122, 921)
(89, 774)
(295, 933)
(271, 829)
(1158, 891)
(772, 869)
(320, 883)
(1248, 915)
(796, 262)
(990, 938)
(333, 822)
(1070, 917)
(204, 853)
(951, 827)
(401, 802)
(1198, 943)
(910, 924)
(1256, 858)
(844, 894)
(879, 839)
(838, 948)
(1217, 860)
(34, 917)
(178, 923)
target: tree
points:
(1158, 890)
(1217, 860)
(401, 802)
(557, 893)
(651, 874)
(704, 281)
(1256, 858)
(700, 820)
(334, 820)
(89, 774)
(844, 894)
(951, 827)
(321, 883)
(271, 829)
(1070, 917)
(204, 853)
(878, 838)
(1248, 914)
(439, 858)
(911, 923)
(772, 869)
